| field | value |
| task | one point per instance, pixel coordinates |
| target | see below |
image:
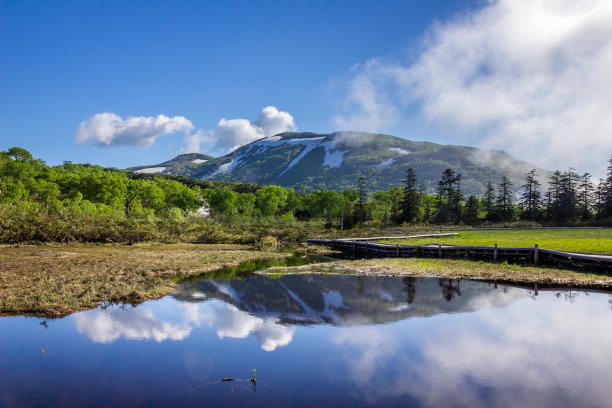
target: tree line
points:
(90, 203)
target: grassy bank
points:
(575, 240)
(458, 269)
(54, 280)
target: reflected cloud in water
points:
(229, 321)
(531, 353)
(141, 323)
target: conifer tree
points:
(607, 192)
(471, 210)
(530, 198)
(585, 197)
(410, 199)
(489, 200)
(362, 193)
(504, 199)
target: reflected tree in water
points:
(361, 284)
(450, 288)
(410, 288)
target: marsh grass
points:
(598, 241)
(475, 270)
(55, 280)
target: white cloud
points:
(233, 133)
(108, 129)
(527, 76)
(194, 140)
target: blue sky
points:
(330, 64)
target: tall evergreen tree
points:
(440, 213)
(531, 196)
(410, 199)
(607, 192)
(362, 203)
(504, 199)
(489, 201)
(585, 197)
(446, 192)
(458, 198)
(471, 211)
(567, 206)
(600, 197)
(553, 196)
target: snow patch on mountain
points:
(151, 170)
(199, 161)
(334, 159)
(226, 167)
(386, 163)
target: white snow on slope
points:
(309, 145)
(386, 164)
(225, 167)
(399, 150)
(151, 170)
(199, 161)
(334, 159)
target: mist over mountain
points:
(310, 161)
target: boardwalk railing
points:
(535, 255)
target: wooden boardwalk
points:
(534, 255)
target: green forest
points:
(88, 203)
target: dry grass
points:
(54, 280)
(478, 270)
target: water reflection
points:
(140, 323)
(560, 353)
(322, 341)
(346, 300)
(229, 321)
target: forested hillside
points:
(310, 161)
(82, 202)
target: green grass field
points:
(577, 240)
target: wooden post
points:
(535, 287)
(367, 249)
(440, 250)
(418, 251)
(353, 246)
(397, 250)
(536, 256)
(495, 252)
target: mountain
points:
(310, 161)
(183, 164)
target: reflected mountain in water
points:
(347, 300)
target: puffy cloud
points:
(107, 129)
(527, 76)
(233, 133)
(194, 140)
(272, 121)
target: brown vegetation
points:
(54, 280)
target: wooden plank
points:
(445, 234)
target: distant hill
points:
(181, 165)
(310, 161)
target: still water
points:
(319, 340)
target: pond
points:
(318, 340)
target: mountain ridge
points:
(308, 161)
